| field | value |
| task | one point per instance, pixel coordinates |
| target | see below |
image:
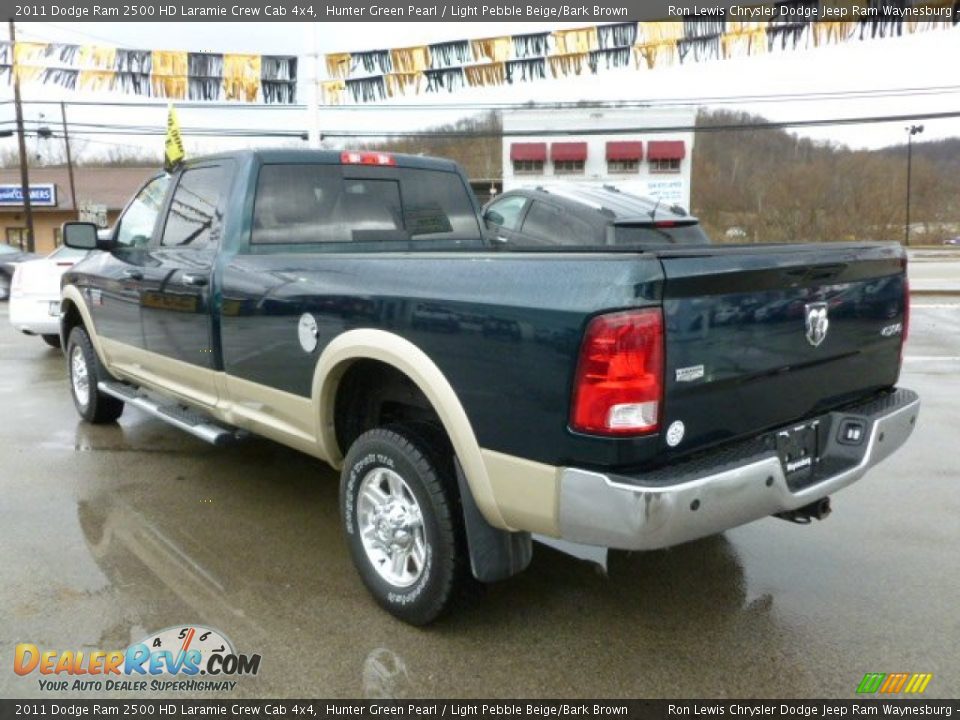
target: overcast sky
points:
(923, 60)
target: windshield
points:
(8, 250)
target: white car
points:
(35, 294)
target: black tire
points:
(52, 340)
(98, 407)
(426, 467)
(4, 286)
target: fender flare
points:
(406, 357)
(73, 295)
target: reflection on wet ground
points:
(110, 533)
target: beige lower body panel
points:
(287, 418)
(281, 416)
(525, 493)
(191, 383)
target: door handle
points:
(133, 274)
(500, 239)
(194, 279)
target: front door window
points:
(140, 218)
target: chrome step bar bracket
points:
(180, 417)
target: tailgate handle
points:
(816, 272)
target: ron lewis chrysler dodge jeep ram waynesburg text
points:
(635, 392)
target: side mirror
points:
(80, 235)
(492, 217)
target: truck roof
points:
(333, 157)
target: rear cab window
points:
(336, 208)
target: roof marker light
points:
(349, 157)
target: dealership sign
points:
(41, 195)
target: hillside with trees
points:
(778, 187)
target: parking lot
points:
(109, 533)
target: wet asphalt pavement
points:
(109, 533)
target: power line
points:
(816, 96)
(546, 132)
(91, 128)
(768, 125)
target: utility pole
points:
(66, 142)
(21, 141)
(911, 131)
(312, 56)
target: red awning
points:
(666, 150)
(528, 151)
(568, 151)
(625, 150)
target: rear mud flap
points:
(494, 554)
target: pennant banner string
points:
(168, 74)
(526, 57)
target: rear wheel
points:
(85, 372)
(4, 286)
(52, 340)
(403, 522)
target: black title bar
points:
(496, 709)
(588, 12)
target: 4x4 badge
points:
(817, 322)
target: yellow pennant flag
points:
(173, 147)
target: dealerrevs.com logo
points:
(189, 658)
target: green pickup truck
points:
(635, 392)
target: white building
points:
(655, 164)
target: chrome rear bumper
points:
(713, 494)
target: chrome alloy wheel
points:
(79, 376)
(391, 527)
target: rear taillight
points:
(16, 285)
(618, 388)
(367, 158)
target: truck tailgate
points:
(761, 336)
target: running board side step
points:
(179, 416)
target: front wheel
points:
(86, 372)
(403, 522)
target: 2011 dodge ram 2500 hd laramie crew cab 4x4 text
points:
(632, 395)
